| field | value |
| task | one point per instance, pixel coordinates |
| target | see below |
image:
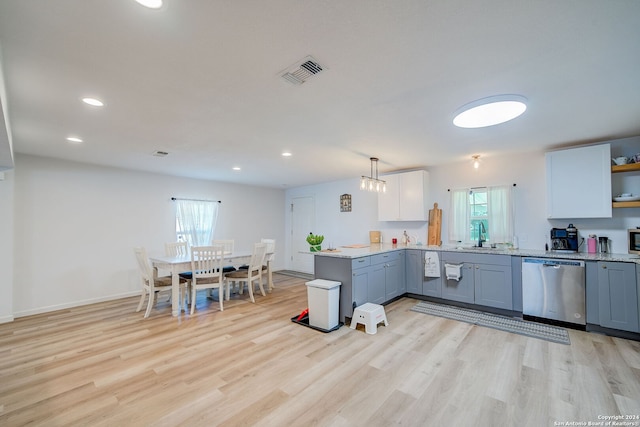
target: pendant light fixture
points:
(476, 161)
(372, 183)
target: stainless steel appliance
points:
(634, 240)
(564, 239)
(604, 244)
(554, 289)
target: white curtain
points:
(459, 216)
(500, 213)
(196, 221)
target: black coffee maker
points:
(564, 239)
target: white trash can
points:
(323, 297)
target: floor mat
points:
(503, 323)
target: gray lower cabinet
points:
(376, 287)
(485, 280)
(352, 273)
(414, 271)
(461, 290)
(376, 278)
(416, 281)
(618, 296)
(493, 286)
(387, 279)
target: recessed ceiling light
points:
(490, 111)
(236, 168)
(74, 140)
(151, 4)
(286, 154)
(93, 101)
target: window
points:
(196, 221)
(478, 209)
(486, 210)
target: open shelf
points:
(625, 168)
(626, 204)
(630, 167)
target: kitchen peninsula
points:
(380, 273)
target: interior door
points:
(302, 223)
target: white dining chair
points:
(269, 257)
(228, 249)
(207, 273)
(179, 248)
(252, 274)
(151, 283)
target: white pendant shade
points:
(372, 183)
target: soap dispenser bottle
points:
(405, 238)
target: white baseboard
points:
(6, 319)
(64, 306)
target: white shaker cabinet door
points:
(405, 198)
(579, 182)
(388, 202)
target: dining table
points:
(181, 264)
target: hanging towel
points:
(431, 264)
(453, 271)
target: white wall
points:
(76, 225)
(6, 245)
(526, 170)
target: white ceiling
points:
(201, 80)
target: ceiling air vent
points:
(301, 71)
(160, 153)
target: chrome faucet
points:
(481, 230)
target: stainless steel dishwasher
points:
(554, 289)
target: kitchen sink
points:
(476, 248)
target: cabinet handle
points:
(360, 260)
(604, 266)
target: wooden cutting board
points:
(434, 237)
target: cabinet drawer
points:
(385, 257)
(476, 258)
(360, 262)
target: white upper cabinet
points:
(405, 198)
(579, 182)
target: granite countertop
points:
(378, 248)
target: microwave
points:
(634, 240)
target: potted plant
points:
(315, 240)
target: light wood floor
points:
(104, 365)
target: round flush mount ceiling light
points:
(74, 140)
(286, 154)
(93, 102)
(490, 111)
(151, 4)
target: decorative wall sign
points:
(345, 203)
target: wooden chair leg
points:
(142, 297)
(193, 299)
(152, 298)
(250, 286)
(260, 284)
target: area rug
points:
(508, 324)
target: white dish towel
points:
(453, 271)
(431, 264)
